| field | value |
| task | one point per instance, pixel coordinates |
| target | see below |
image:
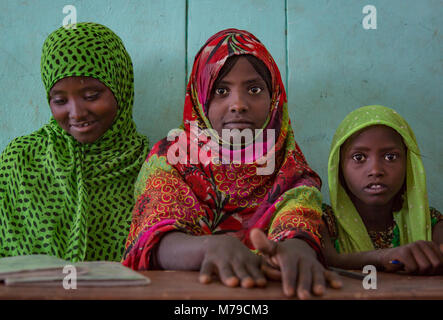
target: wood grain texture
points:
(184, 285)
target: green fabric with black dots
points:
(61, 197)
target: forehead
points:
(241, 69)
(374, 137)
(76, 81)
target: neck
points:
(375, 218)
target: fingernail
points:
(289, 292)
(319, 289)
(261, 282)
(232, 281)
(247, 282)
(303, 294)
(337, 284)
(204, 278)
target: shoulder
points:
(436, 216)
(330, 220)
(28, 145)
(160, 148)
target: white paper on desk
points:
(98, 274)
(34, 265)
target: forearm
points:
(180, 251)
(357, 260)
(347, 260)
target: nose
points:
(375, 168)
(238, 103)
(77, 110)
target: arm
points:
(437, 233)
(225, 255)
(347, 260)
(420, 257)
(179, 251)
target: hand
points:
(297, 263)
(233, 262)
(420, 257)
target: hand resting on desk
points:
(296, 264)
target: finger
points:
(246, 281)
(261, 242)
(206, 271)
(408, 260)
(289, 271)
(227, 276)
(271, 272)
(257, 275)
(304, 280)
(333, 279)
(437, 249)
(318, 281)
(423, 263)
(433, 254)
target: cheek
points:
(106, 109)
(350, 174)
(400, 175)
(265, 107)
(60, 115)
(214, 115)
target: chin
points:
(85, 140)
(377, 202)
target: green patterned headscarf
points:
(61, 197)
(413, 219)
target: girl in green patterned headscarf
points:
(67, 189)
(378, 195)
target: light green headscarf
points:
(413, 219)
(61, 197)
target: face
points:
(373, 163)
(241, 99)
(84, 107)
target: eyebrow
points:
(249, 81)
(363, 148)
(92, 87)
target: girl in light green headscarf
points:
(67, 189)
(378, 197)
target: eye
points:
(58, 101)
(92, 96)
(391, 156)
(255, 90)
(221, 91)
(358, 157)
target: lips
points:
(376, 188)
(83, 126)
(238, 124)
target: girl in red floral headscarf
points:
(196, 211)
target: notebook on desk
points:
(43, 270)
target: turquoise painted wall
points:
(329, 62)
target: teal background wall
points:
(329, 62)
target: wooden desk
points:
(179, 285)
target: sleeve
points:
(436, 216)
(10, 175)
(165, 203)
(298, 215)
(329, 220)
